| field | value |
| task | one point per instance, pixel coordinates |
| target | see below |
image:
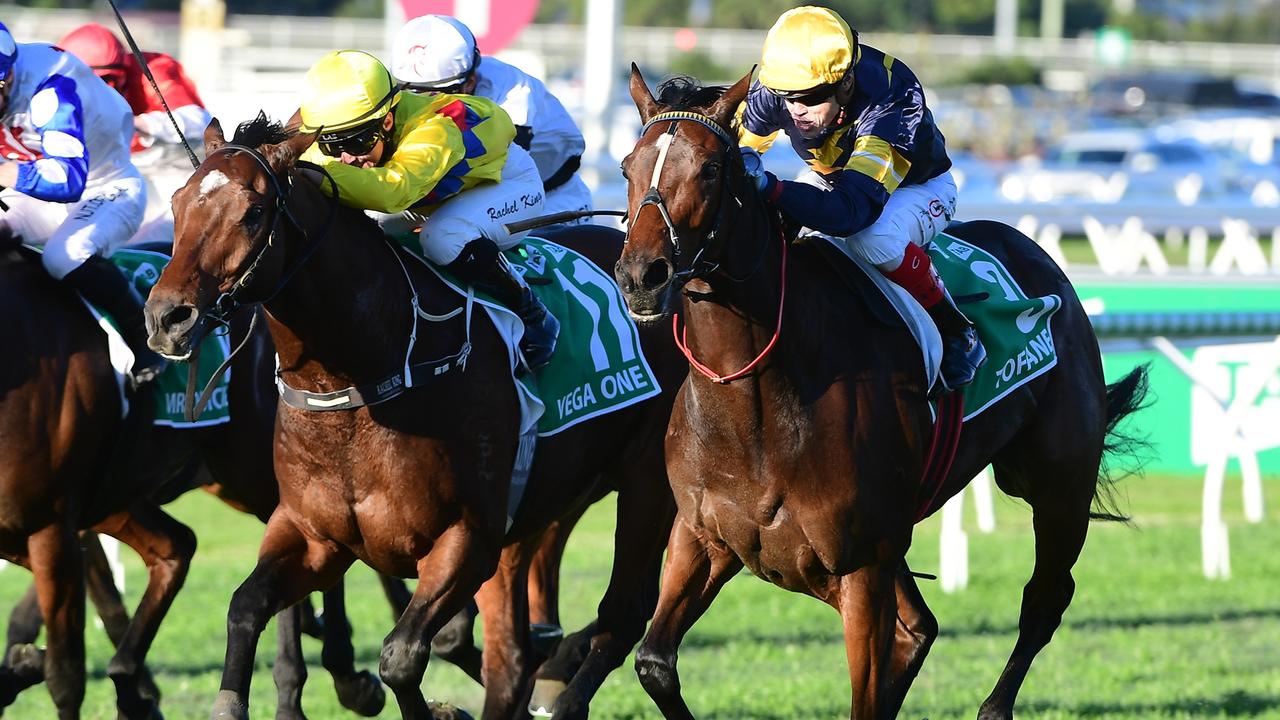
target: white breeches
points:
(914, 214)
(104, 218)
(479, 212)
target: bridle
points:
(701, 266)
(230, 300)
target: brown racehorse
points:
(807, 468)
(60, 421)
(232, 460)
(415, 486)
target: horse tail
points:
(1124, 397)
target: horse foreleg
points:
(644, 516)
(101, 585)
(448, 576)
(914, 634)
(694, 573)
(166, 547)
(867, 604)
(504, 604)
(289, 567)
(24, 621)
(54, 554)
(358, 691)
(23, 662)
(290, 669)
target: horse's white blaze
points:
(213, 181)
(664, 144)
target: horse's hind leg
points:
(692, 578)
(166, 547)
(1060, 500)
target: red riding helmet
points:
(101, 50)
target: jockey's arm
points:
(423, 156)
(854, 202)
(60, 175)
(179, 92)
(193, 119)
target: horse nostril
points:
(657, 274)
(179, 318)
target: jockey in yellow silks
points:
(879, 177)
(443, 163)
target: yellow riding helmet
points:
(808, 47)
(345, 89)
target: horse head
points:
(228, 248)
(685, 181)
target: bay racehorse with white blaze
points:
(417, 485)
(798, 449)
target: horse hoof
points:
(545, 694)
(228, 706)
(361, 693)
(445, 711)
(26, 662)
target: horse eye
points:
(711, 170)
(253, 215)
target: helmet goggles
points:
(810, 97)
(356, 141)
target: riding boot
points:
(104, 286)
(541, 328)
(962, 350)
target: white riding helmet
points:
(433, 52)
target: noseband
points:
(699, 266)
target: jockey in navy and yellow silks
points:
(880, 177)
(442, 164)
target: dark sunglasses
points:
(811, 96)
(357, 143)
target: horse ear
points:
(213, 137)
(645, 103)
(284, 155)
(724, 109)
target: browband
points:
(699, 118)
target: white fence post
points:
(953, 555)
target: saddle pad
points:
(143, 268)
(1014, 327)
(598, 366)
(912, 314)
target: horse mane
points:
(687, 93)
(261, 130)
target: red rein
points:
(682, 343)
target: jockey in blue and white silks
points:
(69, 182)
